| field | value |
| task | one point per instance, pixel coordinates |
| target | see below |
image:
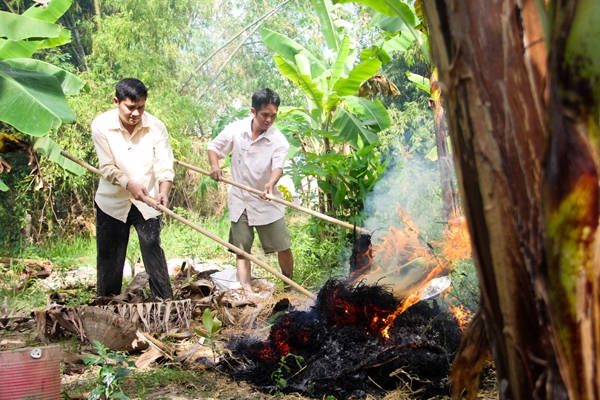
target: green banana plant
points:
(396, 16)
(571, 193)
(335, 122)
(405, 27)
(331, 89)
(33, 96)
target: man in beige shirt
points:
(258, 153)
(136, 162)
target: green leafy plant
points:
(32, 86)
(19, 292)
(212, 325)
(287, 195)
(81, 296)
(465, 285)
(134, 254)
(284, 369)
(114, 368)
(336, 123)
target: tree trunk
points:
(491, 60)
(451, 204)
(97, 10)
(571, 195)
(78, 49)
(523, 120)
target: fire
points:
(401, 246)
(462, 315)
(401, 259)
(456, 244)
(413, 298)
(373, 309)
(416, 295)
(403, 252)
(344, 307)
(404, 249)
(290, 334)
(337, 346)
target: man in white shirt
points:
(136, 162)
(258, 153)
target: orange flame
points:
(462, 315)
(413, 298)
(403, 247)
(456, 242)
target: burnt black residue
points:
(337, 348)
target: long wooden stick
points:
(150, 201)
(276, 199)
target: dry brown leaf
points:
(144, 361)
(469, 361)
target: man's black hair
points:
(265, 97)
(131, 88)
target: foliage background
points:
(201, 61)
(200, 64)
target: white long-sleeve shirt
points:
(144, 156)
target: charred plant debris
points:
(350, 344)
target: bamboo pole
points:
(277, 199)
(150, 201)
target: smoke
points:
(412, 184)
(403, 212)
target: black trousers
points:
(112, 237)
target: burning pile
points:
(351, 343)
(372, 333)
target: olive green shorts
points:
(273, 237)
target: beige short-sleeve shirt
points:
(252, 162)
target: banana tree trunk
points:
(522, 112)
(491, 61)
(571, 208)
(450, 201)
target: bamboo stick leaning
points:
(277, 199)
(237, 250)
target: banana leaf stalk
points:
(571, 196)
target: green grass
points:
(62, 252)
(318, 255)
(181, 240)
(18, 293)
(315, 257)
(144, 385)
(321, 251)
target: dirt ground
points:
(196, 380)
(201, 382)
(182, 369)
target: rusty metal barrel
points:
(30, 373)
